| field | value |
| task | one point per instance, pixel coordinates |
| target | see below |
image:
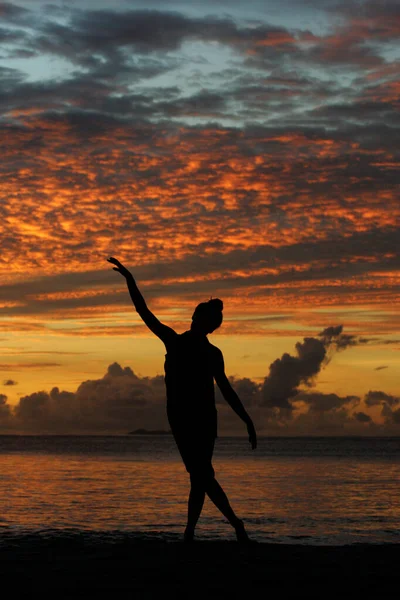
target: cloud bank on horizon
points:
(284, 404)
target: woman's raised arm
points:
(162, 331)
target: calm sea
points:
(290, 490)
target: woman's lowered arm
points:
(159, 329)
(233, 399)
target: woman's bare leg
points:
(220, 499)
(195, 505)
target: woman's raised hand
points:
(119, 267)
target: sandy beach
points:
(70, 566)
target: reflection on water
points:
(140, 485)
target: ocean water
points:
(331, 491)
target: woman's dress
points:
(192, 415)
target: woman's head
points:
(207, 316)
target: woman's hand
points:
(252, 435)
(119, 267)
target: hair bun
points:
(216, 304)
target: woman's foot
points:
(188, 536)
(241, 533)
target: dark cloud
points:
(319, 402)
(9, 77)
(361, 112)
(248, 390)
(204, 104)
(11, 12)
(118, 402)
(121, 401)
(144, 31)
(327, 414)
(391, 416)
(87, 92)
(8, 36)
(5, 413)
(10, 382)
(375, 397)
(362, 417)
(396, 416)
(387, 11)
(14, 37)
(381, 368)
(96, 39)
(345, 52)
(288, 373)
(334, 336)
(147, 30)
(102, 40)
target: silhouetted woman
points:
(191, 365)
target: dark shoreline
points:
(261, 436)
(72, 565)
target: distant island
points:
(149, 432)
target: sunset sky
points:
(241, 150)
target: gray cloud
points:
(122, 401)
(362, 417)
(10, 382)
(368, 9)
(390, 414)
(319, 402)
(145, 31)
(118, 402)
(360, 111)
(248, 390)
(5, 413)
(396, 416)
(375, 397)
(103, 41)
(288, 373)
(8, 36)
(11, 12)
(329, 414)
(334, 336)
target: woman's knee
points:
(201, 478)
